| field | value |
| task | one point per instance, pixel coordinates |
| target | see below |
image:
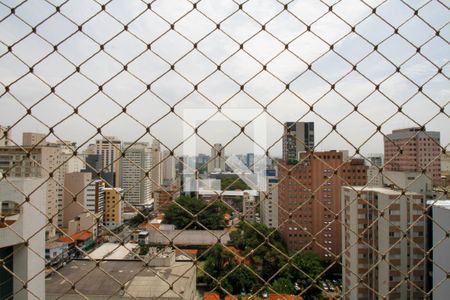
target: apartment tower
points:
(217, 159)
(109, 149)
(309, 200)
(383, 242)
(133, 168)
(297, 137)
(413, 149)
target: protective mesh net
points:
(114, 198)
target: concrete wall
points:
(28, 261)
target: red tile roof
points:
(211, 296)
(150, 226)
(79, 236)
(187, 251)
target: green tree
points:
(219, 263)
(137, 220)
(283, 285)
(232, 184)
(182, 213)
(266, 257)
(304, 269)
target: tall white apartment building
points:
(133, 168)
(383, 237)
(217, 159)
(156, 166)
(269, 201)
(72, 163)
(110, 150)
(168, 168)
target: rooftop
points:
(139, 281)
(236, 193)
(440, 203)
(79, 236)
(381, 190)
(112, 251)
(188, 237)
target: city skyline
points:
(219, 150)
(287, 80)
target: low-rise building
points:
(82, 222)
(112, 217)
(118, 279)
(78, 243)
(56, 253)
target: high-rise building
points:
(133, 168)
(297, 137)
(112, 216)
(168, 168)
(383, 238)
(445, 166)
(156, 166)
(413, 149)
(33, 138)
(22, 238)
(269, 200)
(81, 195)
(110, 150)
(438, 245)
(5, 136)
(42, 162)
(94, 165)
(309, 200)
(250, 160)
(217, 159)
(72, 163)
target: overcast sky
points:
(286, 88)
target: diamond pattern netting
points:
(357, 68)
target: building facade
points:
(94, 165)
(133, 169)
(112, 216)
(383, 238)
(33, 138)
(24, 221)
(309, 200)
(81, 194)
(445, 166)
(269, 200)
(168, 168)
(297, 137)
(156, 166)
(413, 149)
(437, 246)
(41, 162)
(217, 159)
(109, 149)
